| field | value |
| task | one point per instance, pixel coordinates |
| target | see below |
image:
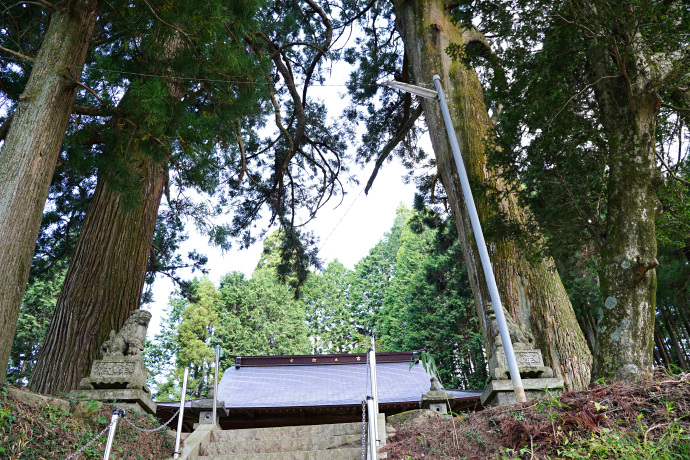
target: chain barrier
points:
(144, 430)
(99, 435)
(364, 429)
(90, 442)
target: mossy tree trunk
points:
(628, 107)
(531, 290)
(31, 149)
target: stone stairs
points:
(309, 442)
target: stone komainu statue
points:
(130, 340)
(530, 361)
(521, 336)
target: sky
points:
(346, 230)
(346, 233)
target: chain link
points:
(137, 428)
(364, 429)
(154, 429)
(90, 442)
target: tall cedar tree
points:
(530, 287)
(31, 147)
(204, 143)
(173, 117)
(592, 81)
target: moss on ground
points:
(31, 429)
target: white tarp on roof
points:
(320, 385)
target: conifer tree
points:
(33, 133)
(530, 287)
(601, 89)
(171, 113)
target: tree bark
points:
(30, 152)
(531, 290)
(105, 279)
(628, 107)
(106, 276)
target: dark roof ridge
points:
(312, 360)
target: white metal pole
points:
(373, 448)
(374, 390)
(481, 246)
(177, 452)
(111, 433)
(215, 386)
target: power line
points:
(229, 79)
(341, 220)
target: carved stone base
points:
(131, 398)
(117, 372)
(500, 392)
(203, 408)
(436, 399)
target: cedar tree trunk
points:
(30, 152)
(105, 279)
(531, 290)
(107, 272)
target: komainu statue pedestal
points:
(121, 374)
(203, 408)
(436, 398)
(536, 377)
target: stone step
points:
(287, 432)
(313, 443)
(352, 453)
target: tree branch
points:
(321, 52)
(6, 126)
(675, 108)
(670, 171)
(21, 56)
(404, 129)
(91, 111)
(577, 94)
(474, 36)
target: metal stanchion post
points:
(373, 448)
(374, 390)
(111, 434)
(215, 387)
(476, 227)
(177, 452)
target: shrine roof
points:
(323, 380)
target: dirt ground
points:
(646, 419)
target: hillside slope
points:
(643, 420)
(35, 427)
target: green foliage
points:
(34, 317)
(374, 274)
(428, 302)
(288, 253)
(41, 431)
(331, 314)
(260, 316)
(257, 316)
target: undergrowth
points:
(31, 431)
(643, 420)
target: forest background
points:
(573, 125)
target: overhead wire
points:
(341, 220)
